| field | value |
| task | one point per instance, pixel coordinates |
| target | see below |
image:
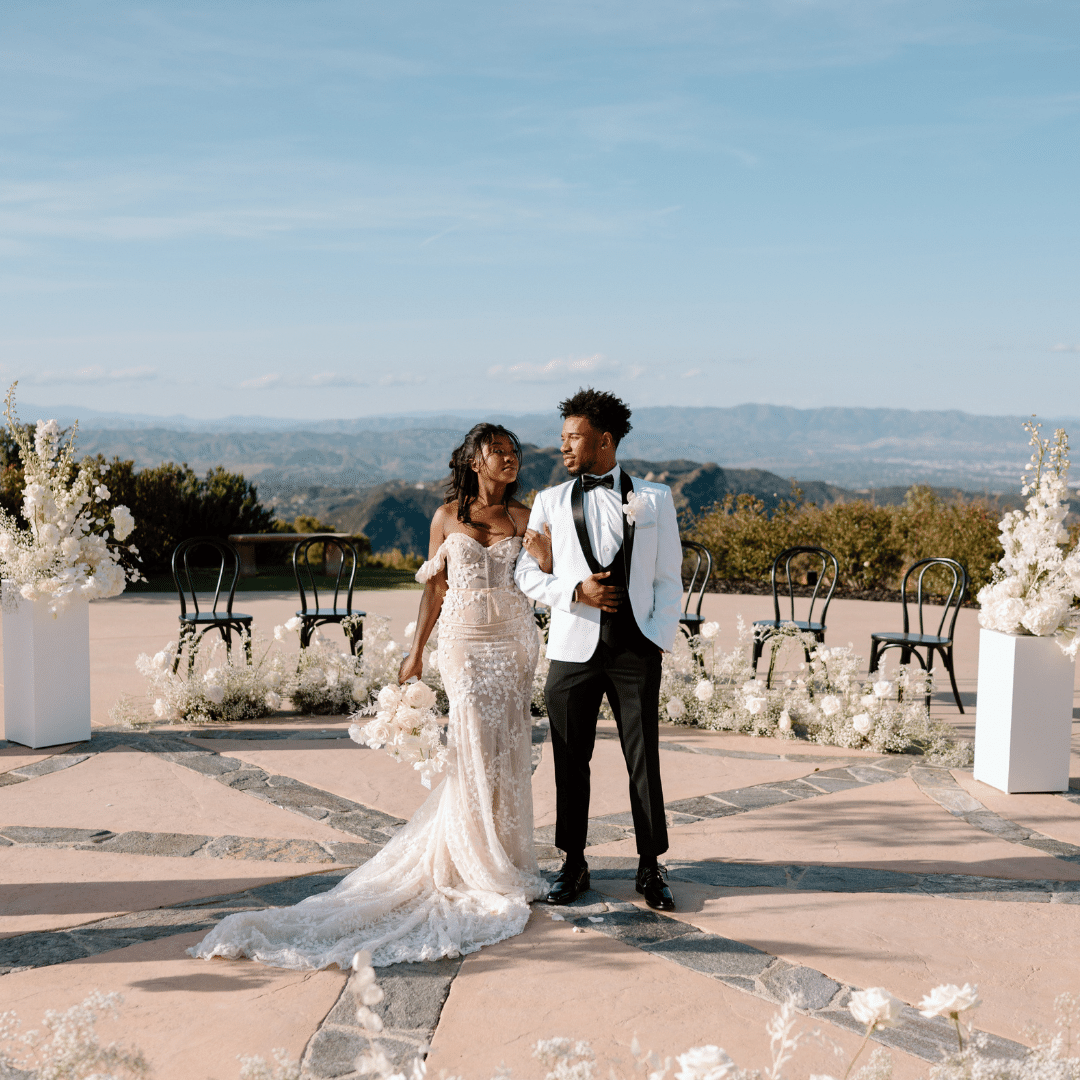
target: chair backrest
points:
(829, 568)
(698, 581)
(339, 558)
(184, 570)
(954, 573)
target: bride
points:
(461, 873)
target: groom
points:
(615, 597)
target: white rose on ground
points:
(784, 723)
(160, 661)
(123, 522)
(704, 691)
(862, 722)
(755, 705)
(273, 701)
(419, 696)
(214, 693)
(293, 623)
(704, 1063)
(830, 704)
(867, 701)
(710, 629)
(950, 1000)
(875, 1007)
(675, 708)
(882, 688)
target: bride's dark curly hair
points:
(464, 485)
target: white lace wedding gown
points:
(461, 873)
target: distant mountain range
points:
(857, 449)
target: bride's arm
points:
(430, 604)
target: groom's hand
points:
(593, 592)
(538, 545)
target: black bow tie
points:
(589, 482)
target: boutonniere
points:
(635, 504)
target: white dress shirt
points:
(604, 518)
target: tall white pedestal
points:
(46, 672)
(1023, 716)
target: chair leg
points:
(306, 626)
(947, 660)
(759, 644)
(245, 632)
(186, 632)
(873, 656)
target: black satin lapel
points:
(628, 529)
(577, 504)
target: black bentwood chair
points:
(186, 575)
(690, 623)
(340, 563)
(823, 565)
(909, 643)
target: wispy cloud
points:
(92, 375)
(554, 370)
(1062, 347)
(261, 382)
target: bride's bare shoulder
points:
(445, 514)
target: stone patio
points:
(796, 869)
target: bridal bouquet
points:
(66, 549)
(406, 725)
(1035, 585)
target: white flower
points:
(704, 691)
(161, 709)
(49, 535)
(676, 708)
(875, 1007)
(710, 629)
(294, 623)
(279, 633)
(950, 1000)
(359, 690)
(102, 492)
(419, 696)
(390, 696)
(784, 723)
(755, 705)
(882, 688)
(368, 1019)
(704, 1063)
(214, 693)
(273, 701)
(273, 679)
(391, 647)
(160, 660)
(123, 522)
(46, 437)
(830, 704)
(635, 506)
(862, 722)
(410, 629)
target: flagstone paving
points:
(797, 869)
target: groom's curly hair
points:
(604, 411)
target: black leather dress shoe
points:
(650, 883)
(570, 882)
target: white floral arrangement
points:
(326, 677)
(220, 687)
(1036, 585)
(67, 549)
(406, 726)
(826, 701)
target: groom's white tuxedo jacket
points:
(655, 570)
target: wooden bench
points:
(245, 544)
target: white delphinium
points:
(219, 687)
(65, 551)
(406, 726)
(1034, 590)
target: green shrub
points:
(872, 544)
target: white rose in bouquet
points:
(420, 696)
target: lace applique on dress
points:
(461, 873)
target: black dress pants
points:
(631, 679)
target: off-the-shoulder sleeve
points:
(429, 569)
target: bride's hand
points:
(412, 665)
(539, 547)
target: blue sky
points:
(348, 208)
